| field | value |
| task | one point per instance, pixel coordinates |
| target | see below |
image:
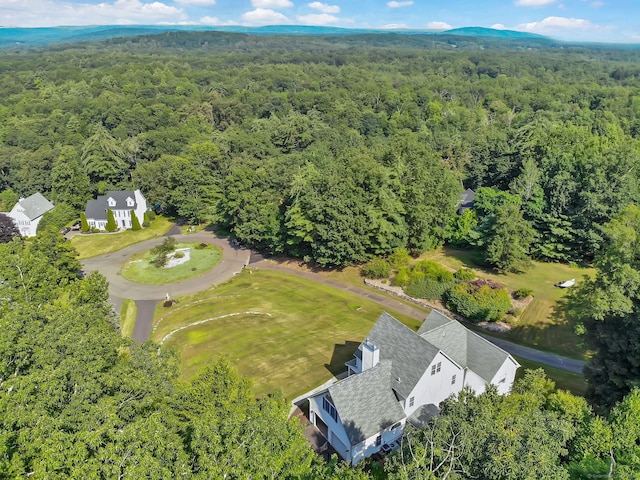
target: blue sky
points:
(594, 20)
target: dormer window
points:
(111, 202)
(130, 202)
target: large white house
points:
(400, 376)
(27, 213)
(121, 203)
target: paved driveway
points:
(146, 296)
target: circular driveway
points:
(232, 261)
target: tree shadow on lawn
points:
(341, 353)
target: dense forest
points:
(335, 151)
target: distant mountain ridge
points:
(44, 36)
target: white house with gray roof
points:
(27, 213)
(399, 376)
(121, 203)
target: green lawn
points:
(139, 269)
(93, 244)
(311, 331)
(128, 313)
(544, 324)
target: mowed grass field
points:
(544, 324)
(140, 269)
(286, 333)
(93, 244)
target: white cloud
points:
(499, 26)
(264, 16)
(195, 2)
(40, 13)
(395, 4)
(323, 7)
(552, 25)
(395, 26)
(597, 4)
(215, 21)
(438, 26)
(533, 3)
(271, 4)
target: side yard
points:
(93, 244)
(281, 331)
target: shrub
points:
(135, 223)
(428, 288)
(151, 215)
(178, 255)
(464, 274)
(402, 278)
(111, 226)
(376, 268)
(522, 293)
(160, 251)
(146, 221)
(479, 301)
(399, 258)
(433, 270)
(84, 225)
(202, 246)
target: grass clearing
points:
(128, 313)
(564, 380)
(93, 244)
(313, 329)
(543, 324)
(139, 269)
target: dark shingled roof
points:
(467, 199)
(466, 348)
(97, 209)
(410, 354)
(365, 402)
(420, 418)
(35, 205)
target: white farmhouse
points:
(27, 213)
(121, 203)
(400, 376)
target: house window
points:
(329, 408)
(436, 368)
(453, 380)
(378, 440)
(411, 401)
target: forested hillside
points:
(330, 153)
(335, 151)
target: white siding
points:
(369, 447)
(335, 428)
(505, 376)
(435, 388)
(26, 227)
(141, 205)
(475, 381)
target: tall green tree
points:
(608, 306)
(69, 182)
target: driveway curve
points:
(146, 296)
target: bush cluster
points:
(376, 268)
(429, 289)
(479, 300)
(161, 251)
(522, 293)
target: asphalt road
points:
(147, 296)
(232, 261)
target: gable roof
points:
(467, 199)
(97, 209)
(409, 353)
(365, 402)
(466, 348)
(35, 205)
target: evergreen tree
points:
(111, 226)
(84, 225)
(135, 223)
